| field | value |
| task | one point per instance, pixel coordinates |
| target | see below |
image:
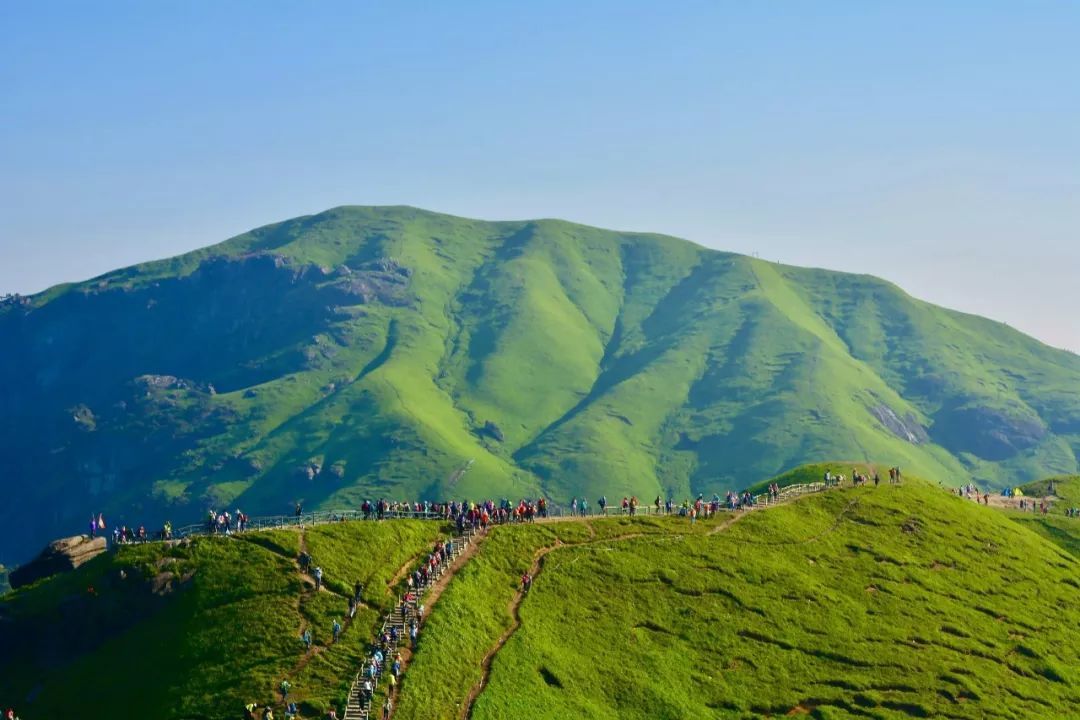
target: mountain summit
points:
(389, 351)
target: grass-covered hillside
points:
(200, 629)
(886, 602)
(856, 603)
(1054, 525)
(370, 351)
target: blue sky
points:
(934, 144)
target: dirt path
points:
(306, 593)
(514, 610)
(537, 567)
(400, 575)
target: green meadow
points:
(870, 602)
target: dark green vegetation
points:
(871, 602)
(199, 629)
(371, 351)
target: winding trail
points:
(538, 565)
(514, 609)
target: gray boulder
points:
(58, 556)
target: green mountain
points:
(364, 352)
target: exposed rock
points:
(58, 556)
(159, 381)
(384, 281)
(906, 428)
(309, 470)
(162, 583)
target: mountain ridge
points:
(365, 351)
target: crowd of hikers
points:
(480, 515)
(384, 659)
(1014, 498)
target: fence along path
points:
(320, 517)
(406, 608)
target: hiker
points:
(388, 706)
(268, 713)
(358, 592)
(304, 560)
(284, 689)
(602, 502)
(299, 510)
(306, 637)
(413, 633)
(336, 629)
(318, 579)
(526, 582)
(93, 526)
(250, 708)
(291, 711)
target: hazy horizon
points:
(935, 147)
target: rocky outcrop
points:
(382, 281)
(906, 428)
(57, 557)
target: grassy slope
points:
(610, 362)
(225, 639)
(1054, 526)
(826, 605)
